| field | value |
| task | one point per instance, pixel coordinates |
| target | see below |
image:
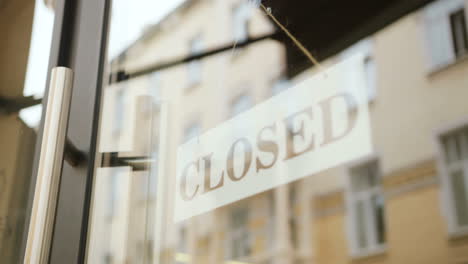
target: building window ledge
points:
(437, 70)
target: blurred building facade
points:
(406, 203)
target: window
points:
(445, 32)
(239, 239)
(241, 22)
(366, 207)
(455, 159)
(458, 27)
(194, 67)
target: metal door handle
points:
(50, 166)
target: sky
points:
(128, 20)
(131, 17)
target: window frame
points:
(374, 247)
(446, 194)
(440, 10)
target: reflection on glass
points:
(372, 209)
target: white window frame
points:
(437, 18)
(448, 206)
(351, 198)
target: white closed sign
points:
(317, 124)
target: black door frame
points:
(79, 42)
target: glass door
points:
(248, 131)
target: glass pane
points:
(378, 204)
(298, 111)
(26, 28)
(460, 197)
(361, 225)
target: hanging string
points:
(306, 52)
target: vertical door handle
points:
(50, 166)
